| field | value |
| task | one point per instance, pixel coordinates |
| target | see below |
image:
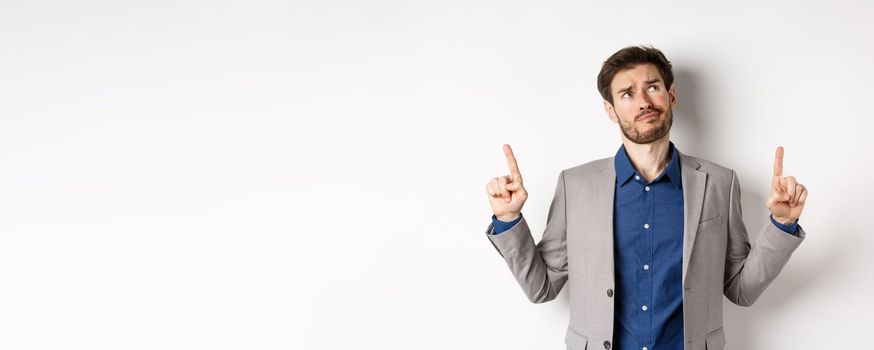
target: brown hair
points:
(628, 58)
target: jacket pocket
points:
(715, 340)
(710, 223)
(574, 340)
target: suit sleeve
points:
(749, 269)
(540, 269)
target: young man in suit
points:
(649, 240)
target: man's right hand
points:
(506, 193)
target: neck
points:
(650, 159)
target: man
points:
(649, 240)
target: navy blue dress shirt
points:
(648, 255)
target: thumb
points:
(513, 186)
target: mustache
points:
(648, 111)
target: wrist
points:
(507, 217)
(784, 221)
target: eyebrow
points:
(648, 82)
(624, 90)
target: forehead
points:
(635, 76)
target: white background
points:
(310, 174)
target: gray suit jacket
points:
(577, 249)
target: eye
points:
(652, 88)
(625, 94)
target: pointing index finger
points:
(511, 161)
(778, 162)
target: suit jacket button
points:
(610, 294)
(607, 345)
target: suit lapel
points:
(694, 182)
(604, 183)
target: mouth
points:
(648, 116)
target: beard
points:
(634, 134)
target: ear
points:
(610, 111)
(672, 93)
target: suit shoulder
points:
(713, 169)
(589, 167)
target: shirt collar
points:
(624, 169)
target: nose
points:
(645, 102)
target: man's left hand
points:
(787, 195)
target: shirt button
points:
(644, 348)
(644, 308)
(646, 226)
(646, 267)
(610, 293)
(636, 177)
(646, 188)
(607, 345)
